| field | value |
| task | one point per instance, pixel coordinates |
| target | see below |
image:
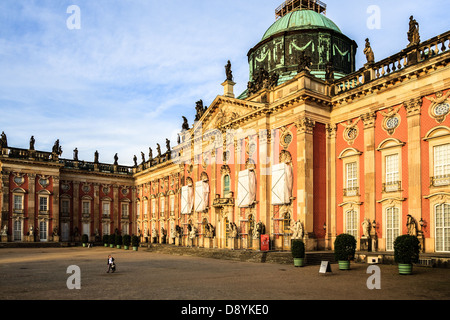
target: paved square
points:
(41, 273)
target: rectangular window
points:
(392, 173)
(124, 209)
(442, 165)
(86, 207)
(172, 205)
(65, 207)
(138, 209)
(43, 204)
(105, 207)
(161, 206)
(18, 202)
(352, 175)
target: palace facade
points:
(312, 149)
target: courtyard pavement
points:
(42, 274)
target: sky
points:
(118, 75)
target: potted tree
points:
(112, 240)
(85, 240)
(135, 242)
(126, 241)
(298, 252)
(344, 250)
(119, 241)
(105, 240)
(406, 252)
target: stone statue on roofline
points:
(228, 71)
(369, 53)
(3, 141)
(413, 32)
(185, 125)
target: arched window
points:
(351, 223)
(442, 218)
(226, 185)
(392, 226)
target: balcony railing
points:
(351, 192)
(438, 181)
(392, 186)
(396, 62)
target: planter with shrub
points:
(126, 241)
(344, 250)
(298, 252)
(112, 240)
(406, 252)
(118, 241)
(105, 240)
(85, 240)
(135, 242)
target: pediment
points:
(224, 111)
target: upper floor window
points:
(442, 164)
(65, 207)
(124, 209)
(226, 185)
(392, 172)
(18, 202)
(86, 207)
(43, 204)
(106, 208)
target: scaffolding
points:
(292, 5)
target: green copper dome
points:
(301, 19)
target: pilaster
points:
(305, 178)
(369, 165)
(413, 112)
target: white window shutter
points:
(199, 203)
(281, 184)
(186, 200)
(243, 191)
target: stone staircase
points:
(280, 257)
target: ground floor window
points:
(392, 227)
(18, 225)
(43, 230)
(65, 231)
(351, 221)
(442, 218)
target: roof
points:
(301, 19)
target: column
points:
(331, 186)
(305, 179)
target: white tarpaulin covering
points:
(246, 188)
(187, 197)
(281, 184)
(201, 196)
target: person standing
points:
(111, 264)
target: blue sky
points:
(121, 82)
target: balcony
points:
(392, 186)
(223, 202)
(439, 181)
(351, 192)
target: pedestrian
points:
(111, 264)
